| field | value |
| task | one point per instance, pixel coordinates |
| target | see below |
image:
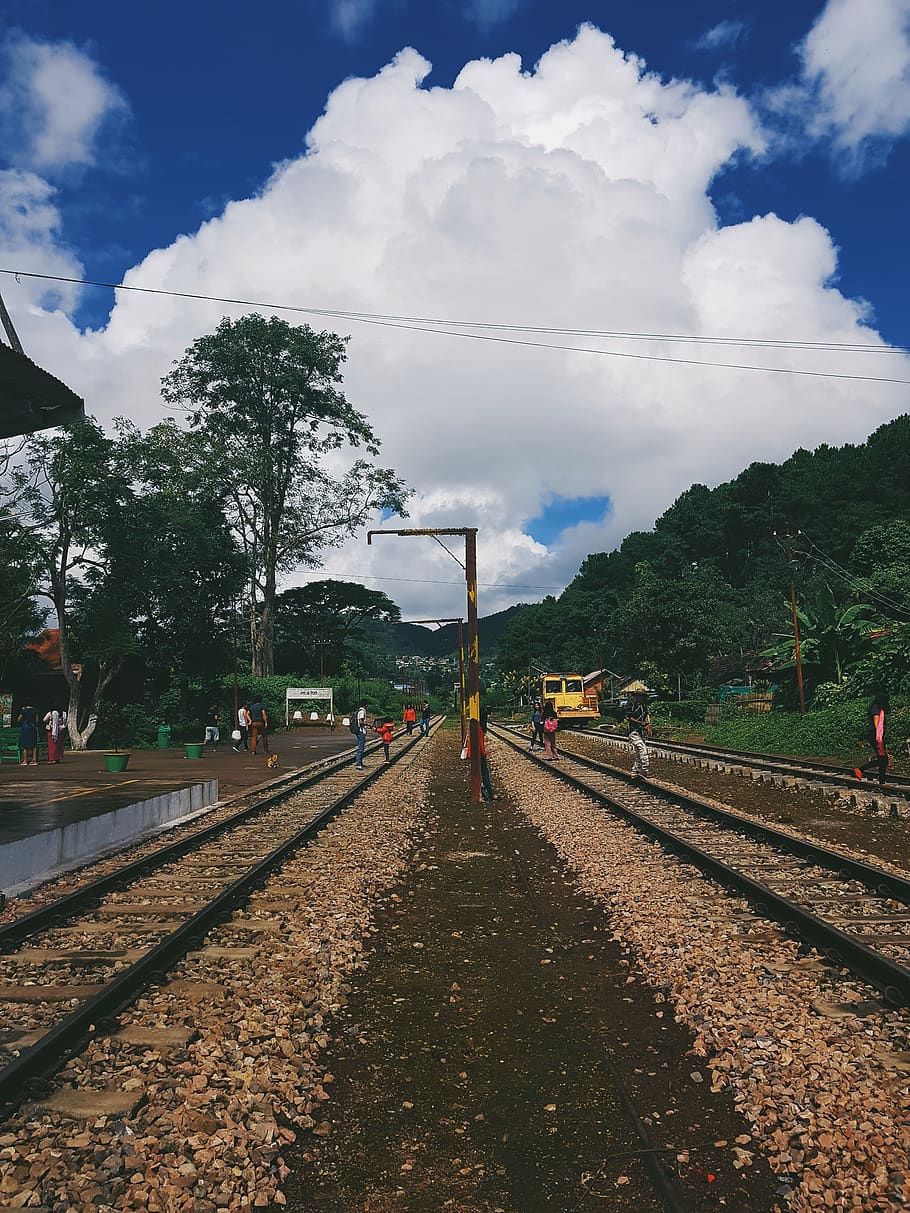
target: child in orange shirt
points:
(386, 731)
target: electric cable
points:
(455, 329)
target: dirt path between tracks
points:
(474, 1064)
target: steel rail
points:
(49, 1054)
(891, 978)
(13, 934)
(779, 764)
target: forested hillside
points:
(707, 591)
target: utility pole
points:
(799, 658)
(470, 574)
(234, 648)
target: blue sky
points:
(124, 128)
(217, 92)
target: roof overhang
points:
(31, 399)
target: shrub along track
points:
(499, 1052)
(817, 1064)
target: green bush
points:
(124, 726)
(670, 711)
(838, 731)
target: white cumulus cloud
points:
(857, 59)
(570, 196)
(54, 103)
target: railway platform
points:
(53, 817)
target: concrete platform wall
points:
(28, 861)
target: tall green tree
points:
(267, 408)
(317, 624)
(74, 500)
(193, 570)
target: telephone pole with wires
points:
(788, 538)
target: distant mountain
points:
(415, 640)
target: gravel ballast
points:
(215, 1114)
(817, 1065)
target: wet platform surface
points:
(48, 796)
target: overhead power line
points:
(458, 328)
(857, 584)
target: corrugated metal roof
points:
(32, 399)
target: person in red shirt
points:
(386, 731)
(410, 718)
(879, 711)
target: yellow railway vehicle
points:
(567, 692)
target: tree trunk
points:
(263, 663)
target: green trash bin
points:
(193, 749)
(164, 737)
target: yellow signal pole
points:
(473, 662)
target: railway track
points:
(818, 773)
(71, 966)
(856, 915)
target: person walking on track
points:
(386, 731)
(639, 722)
(410, 718)
(361, 723)
(537, 739)
(425, 719)
(879, 711)
(550, 725)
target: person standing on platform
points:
(410, 718)
(386, 732)
(425, 719)
(361, 722)
(879, 711)
(259, 726)
(639, 722)
(27, 721)
(55, 723)
(550, 725)
(243, 727)
(212, 730)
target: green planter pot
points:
(193, 749)
(116, 762)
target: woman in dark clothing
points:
(879, 711)
(28, 736)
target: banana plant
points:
(832, 637)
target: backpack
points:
(352, 725)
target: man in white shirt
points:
(361, 734)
